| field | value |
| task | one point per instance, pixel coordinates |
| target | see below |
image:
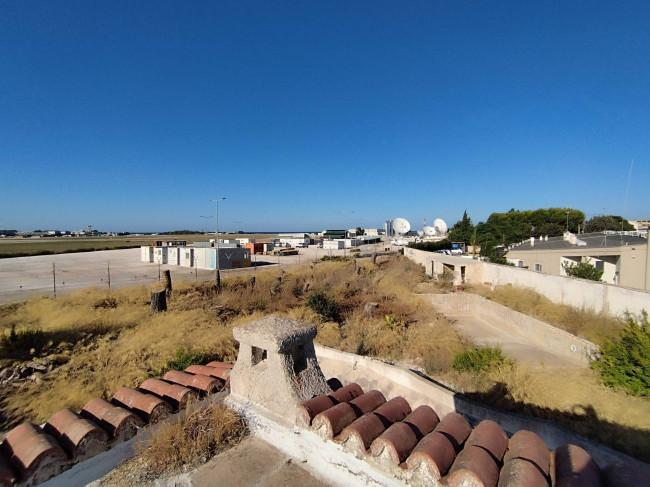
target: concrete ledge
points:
(544, 335)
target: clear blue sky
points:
(132, 115)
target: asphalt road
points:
(23, 277)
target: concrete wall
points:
(395, 381)
(542, 334)
(580, 293)
(146, 253)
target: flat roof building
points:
(622, 256)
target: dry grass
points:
(593, 326)
(106, 341)
(202, 434)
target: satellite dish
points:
(401, 225)
(430, 231)
(440, 225)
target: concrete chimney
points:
(532, 241)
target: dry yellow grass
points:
(106, 341)
(203, 433)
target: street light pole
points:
(217, 274)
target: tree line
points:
(503, 229)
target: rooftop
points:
(587, 240)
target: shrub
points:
(479, 359)
(625, 362)
(324, 306)
(22, 344)
(431, 246)
(583, 270)
(183, 359)
(106, 303)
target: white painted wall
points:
(580, 293)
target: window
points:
(299, 359)
(258, 355)
(600, 265)
(538, 267)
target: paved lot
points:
(23, 277)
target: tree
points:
(462, 230)
(607, 222)
(583, 270)
(359, 231)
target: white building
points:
(388, 228)
(294, 239)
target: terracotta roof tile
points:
(434, 454)
(399, 440)
(119, 423)
(361, 433)
(331, 422)
(474, 466)
(491, 437)
(35, 455)
(148, 407)
(200, 383)
(174, 394)
(527, 461)
(79, 437)
(224, 365)
(309, 409)
(220, 373)
(455, 428)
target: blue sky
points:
(306, 115)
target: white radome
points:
(401, 225)
(429, 231)
(440, 226)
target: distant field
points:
(19, 247)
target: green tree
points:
(607, 222)
(462, 230)
(583, 270)
(431, 246)
(359, 231)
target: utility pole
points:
(217, 274)
(54, 278)
(109, 274)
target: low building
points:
(622, 256)
(229, 257)
(294, 239)
(146, 253)
(640, 224)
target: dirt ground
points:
(24, 277)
